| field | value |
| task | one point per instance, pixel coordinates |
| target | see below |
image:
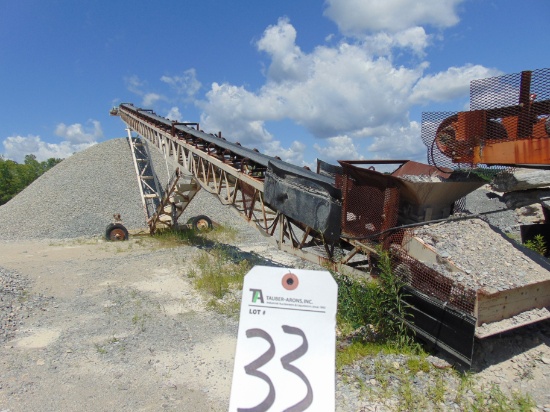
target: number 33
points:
(252, 369)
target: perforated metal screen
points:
(507, 124)
(370, 214)
(370, 206)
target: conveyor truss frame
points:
(243, 189)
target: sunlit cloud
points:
(76, 137)
(347, 93)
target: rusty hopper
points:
(413, 193)
(428, 193)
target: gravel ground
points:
(122, 329)
(116, 326)
(15, 303)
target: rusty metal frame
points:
(221, 178)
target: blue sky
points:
(334, 79)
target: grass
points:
(110, 343)
(492, 399)
(400, 381)
(219, 274)
(418, 364)
(100, 349)
(172, 238)
(537, 244)
(376, 305)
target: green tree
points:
(14, 177)
(8, 177)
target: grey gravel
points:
(80, 195)
(77, 197)
(494, 209)
(488, 259)
(16, 303)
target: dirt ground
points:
(120, 327)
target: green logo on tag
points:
(257, 294)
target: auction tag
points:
(286, 342)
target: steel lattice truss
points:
(236, 176)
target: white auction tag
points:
(286, 342)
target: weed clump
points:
(220, 275)
(537, 244)
(375, 309)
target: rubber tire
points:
(116, 232)
(201, 222)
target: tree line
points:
(14, 177)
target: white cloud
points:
(237, 113)
(76, 138)
(174, 114)
(347, 92)
(75, 133)
(134, 84)
(186, 84)
(448, 85)
(342, 94)
(399, 143)
(345, 89)
(149, 99)
(338, 148)
(414, 38)
(356, 17)
(287, 60)
(294, 154)
(17, 147)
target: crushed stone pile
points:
(78, 197)
(489, 260)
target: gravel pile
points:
(493, 209)
(78, 197)
(488, 259)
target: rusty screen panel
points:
(370, 212)
(432, 283)
(370, 204)
(508, 124)
(503, 91)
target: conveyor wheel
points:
(201, 223)
(116, 231)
